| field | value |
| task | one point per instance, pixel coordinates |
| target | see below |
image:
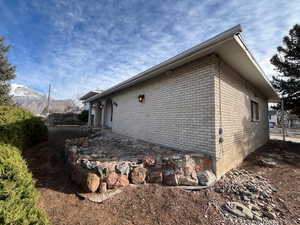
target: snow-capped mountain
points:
(36, 102)
(23, 91)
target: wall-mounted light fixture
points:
(100, 106)
(115, 104)
(141, 98)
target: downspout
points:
(221, 139)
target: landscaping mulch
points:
(152, 204)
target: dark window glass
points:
(254, 111)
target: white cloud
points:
(96, 44)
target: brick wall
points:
(233, 96)
(185, 108)
(177, 112)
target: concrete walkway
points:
(279, 137)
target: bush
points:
(84, 116)
(17, 193)
(20, 128)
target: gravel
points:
(253, 191)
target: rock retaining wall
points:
(98, 174)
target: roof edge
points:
(203, 45)
(240, 40)
(89, 95)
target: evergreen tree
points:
(287, 63)
(7, 72)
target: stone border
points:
(96, 175)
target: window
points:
(254, 111)
(111, 111)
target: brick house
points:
(212, 98)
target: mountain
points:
(36, 102)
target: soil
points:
(149, 204)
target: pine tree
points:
(287, 63)
(7, 73)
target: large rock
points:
(202, 164)
(102, 171)
(88, 181)
(114, 180)
(87, 164)
(98, 198)
(188, 162)
(92, 182)
(111, 180)
(155, 177)
(187, 181)
(173, 163)
(122, 181)
(103, 187)
(238, 209)
(170, 178)
(206, 178)
(109, 167)
(189, 178)
(138, 175)
(189, 171)
(149, 161)
(123, 168)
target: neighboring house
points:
(91, 107)
(273, 121)
(293, 121)
(211, 99)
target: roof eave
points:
(88, 95)
(210, 46)
(273, 96)
(164, 66)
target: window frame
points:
(254, 107)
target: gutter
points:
(155, 70)
(89, 95)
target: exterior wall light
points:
(100, 106)
(141, 98)
(115, 104)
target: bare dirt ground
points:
(149, 204)
(285, 176)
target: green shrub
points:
(36, 131)
(20, 128)
(83, 116)
(17, 193)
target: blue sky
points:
(81, 45)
